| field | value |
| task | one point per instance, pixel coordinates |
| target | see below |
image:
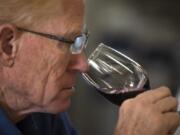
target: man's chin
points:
(56, 108)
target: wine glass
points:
(114, 75)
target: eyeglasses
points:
(76, 46)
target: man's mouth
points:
(72, 87)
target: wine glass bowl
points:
(115, 75)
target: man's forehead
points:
(71, 5)
(73, 30)
(68, 21)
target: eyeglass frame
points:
(83, 45)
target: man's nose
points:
(79, 63)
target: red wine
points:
(117, 99)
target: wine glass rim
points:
(98, 50)
(102, 45)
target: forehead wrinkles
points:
(71, 23)
(73, 6)
(73, 27)
(68, 21)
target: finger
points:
(173, 121)
(153, 96)
(167, 104)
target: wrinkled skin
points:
(38, 73)
(150, 113)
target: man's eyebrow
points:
(72, 35)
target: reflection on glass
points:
(114, 75)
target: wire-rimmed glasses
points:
(76, 46)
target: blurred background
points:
(148, 31)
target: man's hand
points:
(150, 113)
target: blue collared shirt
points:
(37, 124)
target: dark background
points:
(146, 30)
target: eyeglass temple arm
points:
(61, 39)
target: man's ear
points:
(8, 35)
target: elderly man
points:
(41, 52)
